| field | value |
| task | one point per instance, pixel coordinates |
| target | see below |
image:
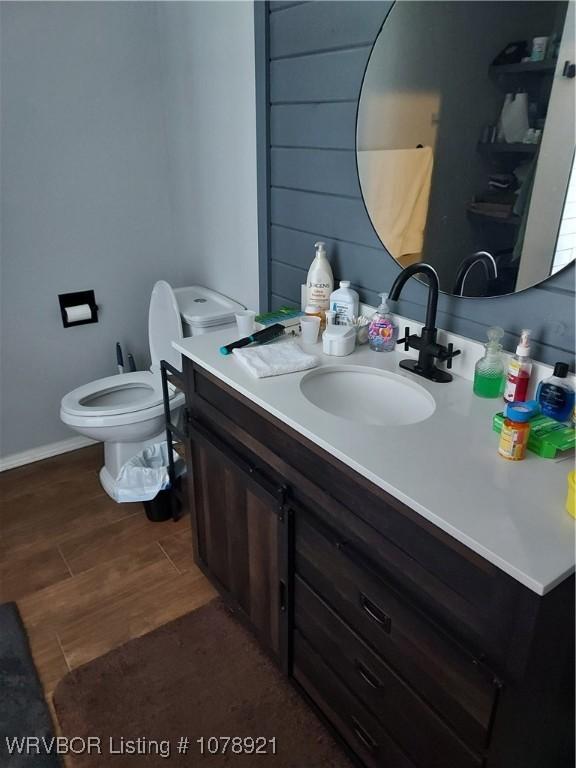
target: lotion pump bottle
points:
(320, 282)
(519, 370)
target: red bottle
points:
(519, 370)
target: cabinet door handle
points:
(366, 675)
(363, 735)
(375, 613)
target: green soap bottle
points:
(490, 371)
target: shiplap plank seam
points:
(329, 237)
(315, 192)
(355, 285)
(286, 6)
(553, 289)
(283, 298)
(315, 149)
(320, 51)
(324, 52)
(296, 103)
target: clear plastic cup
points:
(310, 326)
(245, 320)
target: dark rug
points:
(200, 676)
(23, 711)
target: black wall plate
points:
(72, 300)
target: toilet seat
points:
(131, 396)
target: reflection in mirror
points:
(465, 141)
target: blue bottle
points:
(556, 395)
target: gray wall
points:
(208, 58)
(318, 53)
(126, 158)
(85, 200)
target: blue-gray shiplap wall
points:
(316, 54)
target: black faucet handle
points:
(450, 354)
(406, 339)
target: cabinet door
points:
(238, 526)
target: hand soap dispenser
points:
(489, 374)
(383, 331)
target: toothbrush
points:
(119, 358)
(267, 334)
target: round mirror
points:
(465, 141)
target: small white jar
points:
(339, 340)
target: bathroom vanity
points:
(424, 611)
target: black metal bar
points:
(258, 482)
(165, 370)
(286, 576)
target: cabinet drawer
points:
(395, 705)
(439, 669)
(354, 723)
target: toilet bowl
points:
(126, 411)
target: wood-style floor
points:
(88, 574)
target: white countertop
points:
(446, 468)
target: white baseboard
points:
(44, 452)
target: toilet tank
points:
(203, 310)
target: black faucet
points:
(480, 257)
(428, 349)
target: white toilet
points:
(126, 411)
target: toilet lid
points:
(114, 395)
(164, 326)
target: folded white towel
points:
(275, 359)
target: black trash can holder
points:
(161, 508)
(152, 477)
(164, 505)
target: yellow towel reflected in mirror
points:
(396, 186)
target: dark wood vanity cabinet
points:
(415, 650)
(239, 534)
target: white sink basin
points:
(367, 395)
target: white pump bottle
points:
(320, 282)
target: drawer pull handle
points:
(363, 735)
(368, 677)
(375, 613)
(282, 595)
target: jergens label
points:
(319, 294)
